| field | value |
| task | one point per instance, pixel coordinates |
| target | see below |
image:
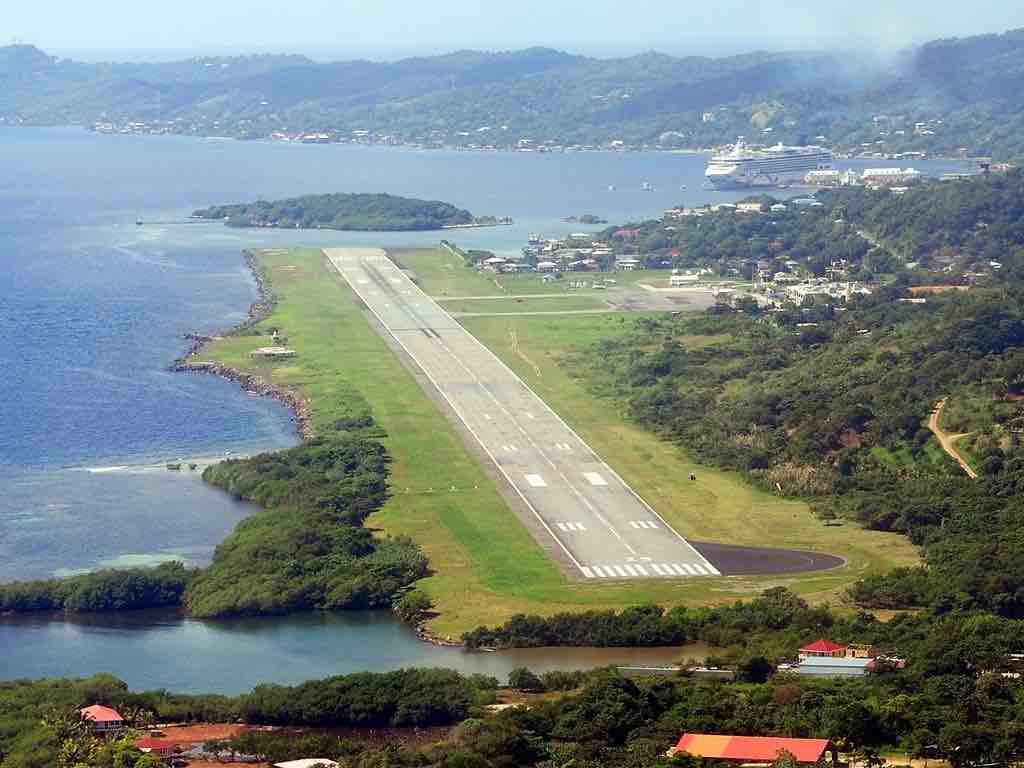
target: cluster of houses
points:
(578, 252)
(106, 721)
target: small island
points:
(586, 218)
(348, 211)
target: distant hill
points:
(364, 212)
(940, 96)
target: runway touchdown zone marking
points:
(567, 527)
(650, 524)
(536, 481)
(594, 478)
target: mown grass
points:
(486, 565)
(514, 305)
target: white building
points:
(676, 281)
(890, 176)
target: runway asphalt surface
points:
(605, 530)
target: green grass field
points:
(486, 566)
(512, 305)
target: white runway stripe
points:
(640, 568)
(657, 570)
(714, 571)
(679, 569)
(632, 570)
(700, 569)
(689, 569)
(597, 569)
(618, 570)
(587, 572)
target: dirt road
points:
(946, 440)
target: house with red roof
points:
(753, 749)
(822, 648)
(103, 719)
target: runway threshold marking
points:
(536, 481)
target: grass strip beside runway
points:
(486, 565)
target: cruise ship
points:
(743, 166)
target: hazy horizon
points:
(117, 30)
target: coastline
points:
(253, 384)
(250, 383)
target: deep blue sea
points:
(93, 309)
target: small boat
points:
(174, 466)
(682, 186)
(139, 222)
(611, 187)
(193, 467)
(646, 187)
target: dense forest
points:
(933, 233)
(962, 92)
(830, 399)
(104, 590)
(362, 212)
(40, 728)
(950, 700)
(307, 548)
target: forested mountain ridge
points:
(962, 91)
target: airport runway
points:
(604, 528)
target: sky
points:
(387, 29)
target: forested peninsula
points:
(344, 211)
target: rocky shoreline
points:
(251, 383)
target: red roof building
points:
(752, 749)
(102, 718)
(822, 648)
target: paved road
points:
(605, 529)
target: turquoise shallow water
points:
(93, 308)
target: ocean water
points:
(93, 309)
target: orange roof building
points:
(752, 749)
(102, 718)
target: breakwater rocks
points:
(251, 383)
(254, 385)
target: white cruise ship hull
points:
(765, 168)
